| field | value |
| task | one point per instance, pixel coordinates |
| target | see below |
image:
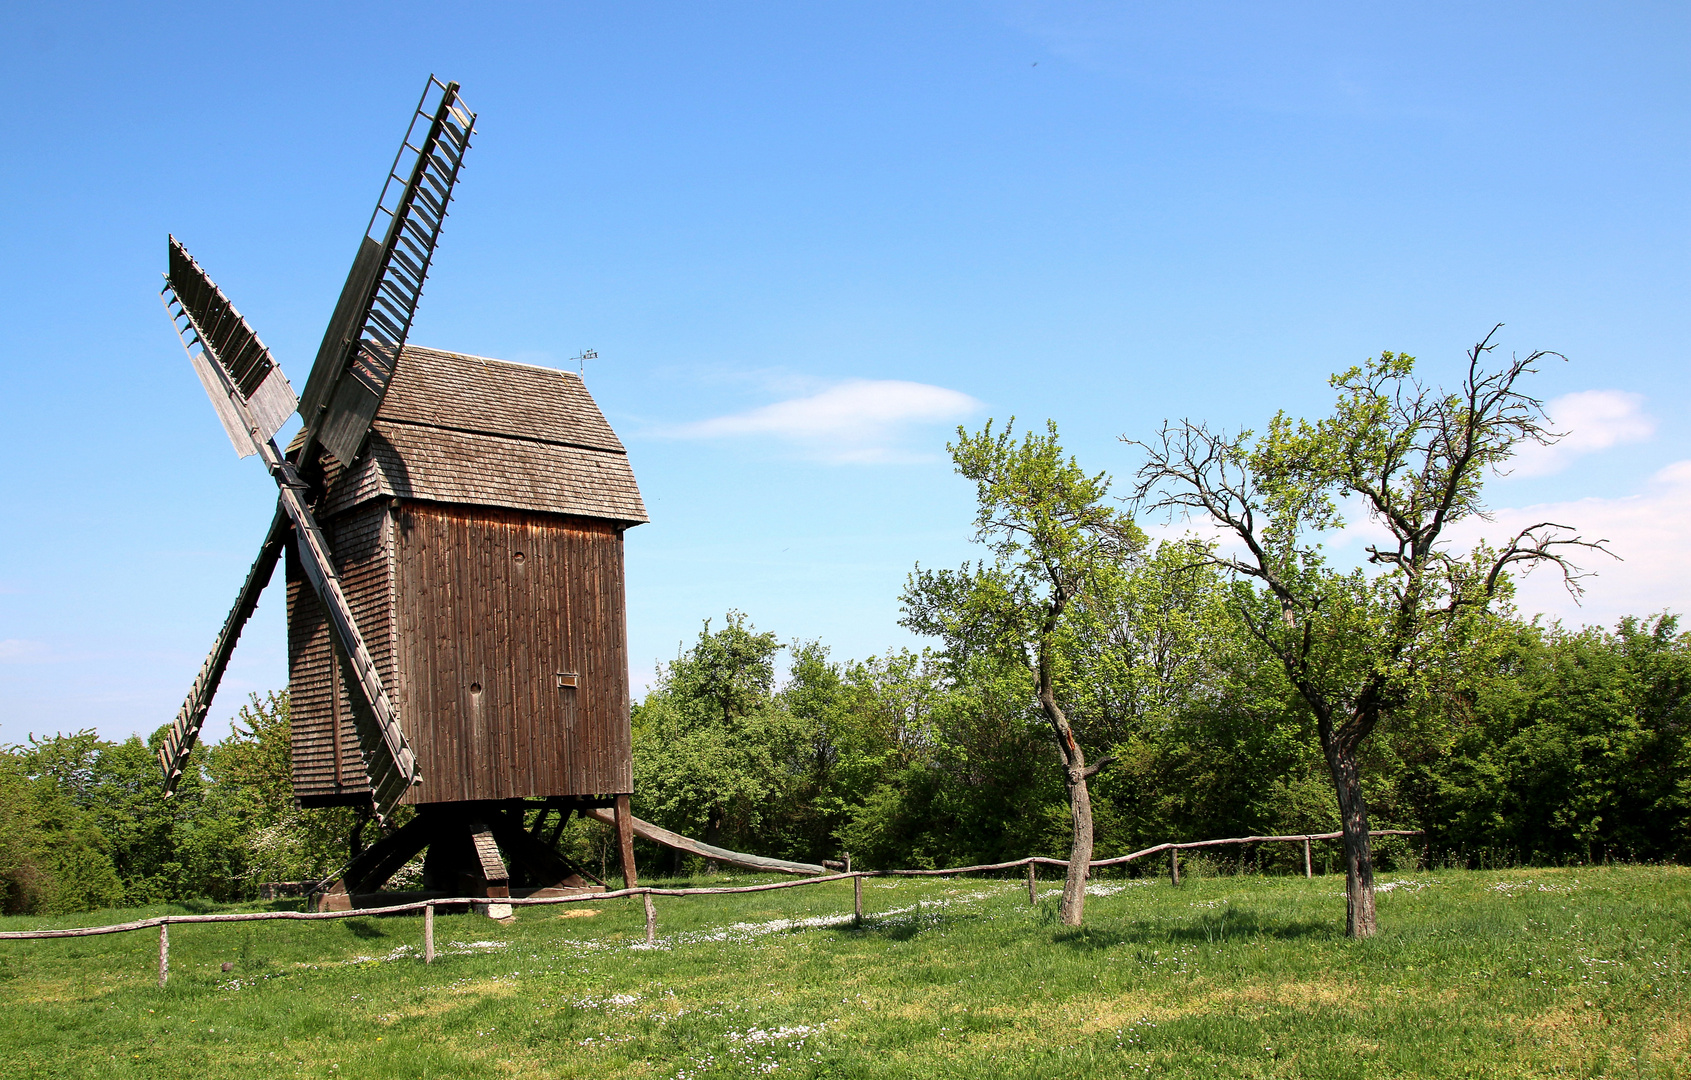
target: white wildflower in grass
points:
(612, 1002)
(1408, 884)
(753, 1051)
(1510, 888)
(1112, 887)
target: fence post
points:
(857, 898)
(1308, 869)
(1033, 897)
(651, 919)
(428, 934)
(1174, 865)
(164, 953)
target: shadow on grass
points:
(200, 907)
(365, 929)
(1211, 928)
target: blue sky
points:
(806, 242)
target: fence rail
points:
(646, 892)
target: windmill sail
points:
(373, 317)
(388, 759)
(206, 317)
(179, 741)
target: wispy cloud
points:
(857, 421)
(1593, 420)
(1646, 530)
(22, 651)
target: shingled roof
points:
(467, 429)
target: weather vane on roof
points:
(581, 360)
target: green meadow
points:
(1541, 972)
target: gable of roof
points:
(469, 429)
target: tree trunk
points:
(1080, 852)
(1075, 771)
(1080, 803)
(1359, 855)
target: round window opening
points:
(475, 688)
(519, 556)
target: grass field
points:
(1517, 973)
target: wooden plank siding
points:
(492, 605)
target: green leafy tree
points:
(251, 769)
(1359, 647)
(709, 736)
(1574, 748)
(1053, 541)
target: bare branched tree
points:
(1356, 645)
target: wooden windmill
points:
(452, 527)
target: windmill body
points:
(452, 529)
(479, 539)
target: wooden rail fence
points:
(646, 892)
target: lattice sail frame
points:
(360, 348)
(353, 369)
(389, 761)
(196, 305)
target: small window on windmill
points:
(567, 680)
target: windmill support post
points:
(625, 842)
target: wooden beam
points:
(645, 830)
(624, 822)
(179, 741)
(495, 876)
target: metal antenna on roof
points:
(581, 361)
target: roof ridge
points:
(498, 360)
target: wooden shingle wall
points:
(441, 465)
(465, 429)
(325, 773)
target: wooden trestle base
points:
(475, 849)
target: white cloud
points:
(1650, 532)
(1593, 420)
(861, 420)
(22, 651)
